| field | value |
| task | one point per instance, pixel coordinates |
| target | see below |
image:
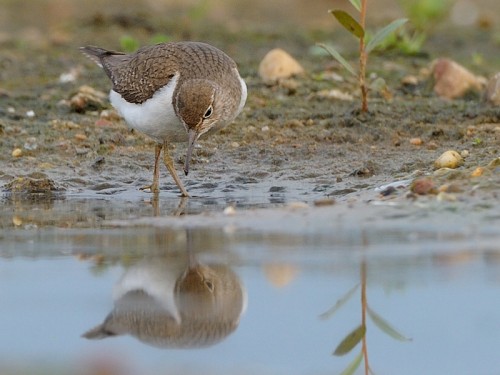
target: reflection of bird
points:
(165, 303)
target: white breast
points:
(243, 98)
(155, 117)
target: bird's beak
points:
(192, 137)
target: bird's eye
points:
(208, 113)
(209, 285)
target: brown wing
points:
(136, 77)
(148, 69)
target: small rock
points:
(493, 90)
(324, 202)
(31, 185)
(30, 113)
(80, 137)
(335, 94)
(449, 159)
(443, 196)
(453, 80)
(297, 205)
(87, 99)
(451, 188)
(416, 141)
(432, 145)
(30, 144)
(423, 186)
(409, 80)
(464, 153)
(277, 65)
(109, 114)
(478, 172)
(17, 152)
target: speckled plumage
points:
(173, 92)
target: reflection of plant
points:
(358, 30)
(359, 333)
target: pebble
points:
(452, 80)
(335, 94)
(478, 172)
(87, 98)
(297, 205)
(17, 152)
(30, 114)
(409, 80)
(416, 141)
(324, 202)
(443, 196)
(464, 153)
(30, 144)
(449, 159)
(423, 186)
(277, 64)
(80, 137)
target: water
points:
(66, 264)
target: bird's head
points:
(197, 107)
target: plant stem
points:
(364, 305)
(363, 57)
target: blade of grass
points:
(356, 4)
(385, 326)
(380, 35)
(350, 341)
(337, 56)
(350, 24)
(340, 302)
(353, 366)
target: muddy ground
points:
(290, 143)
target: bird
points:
(173, 92)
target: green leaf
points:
(349, 23)
(353, 366)
(383, 33)
(385, 326)
(356, 4)
(340, 302)
(350, 341)
(337, 56)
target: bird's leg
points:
(154, 187)
(169, 163)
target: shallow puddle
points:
(257, 291)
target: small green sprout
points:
(358, 30)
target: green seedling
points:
(358, 30)
(424, 16)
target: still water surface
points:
(242, 298)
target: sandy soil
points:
(289, 144)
